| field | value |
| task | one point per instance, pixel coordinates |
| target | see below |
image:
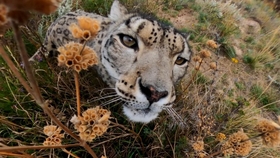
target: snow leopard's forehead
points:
(155, 34)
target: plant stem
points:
(16, 72)
(13, 148)
(67, 130)
(193, 76)
(77, 87)
(36, 92)
(30, 75)
(15, 155)
(69, 153)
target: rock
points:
(250, 26)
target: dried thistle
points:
(213, 65)
(76, 56)
(198, 146)
(93, 122)
(87, 23)
(204, 53)
(212, 44)
(201, 154)
(54, 136)
(197, 59)
(270, 132)
(238, 143)
(220, 137)
(86, 29)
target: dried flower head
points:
(54, 136)
(198, 146)
(3, 14)
(204, 53)
(220, 137)
(201, 154)
(212, 44)
(93, 122)
(76, 56)
(87, 23)
(270, 132)
(213, 65)
(86, 29)
(197, 59)
(238, 143)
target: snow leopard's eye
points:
(128, 41)
(180, 61)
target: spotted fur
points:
(141, 58)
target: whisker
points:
(110, 101)
(118, 103)
(175, 116)
(108, 88)
(100, 98)
(107, 94)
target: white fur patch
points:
(137, 116)
(117, 11)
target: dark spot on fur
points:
(58, 30)
(62, 21)
(141, 26)
(53, 45)
(65, 40)
(127, 23)
(59, 42)
(66, 32)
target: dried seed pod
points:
(212, 44)
(69, 63)
(270, 131)
(78, 59)
(77, 67)
(86, 35)
(213, 65)
(198, 146)
(91, 62)
(76, 31)
(90, 127)
(69, 54)
(61, 58)
(196, 58)
(87, 23)
(205, 53)
(237, 143)
(84, 65)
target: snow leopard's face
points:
(146, 59)
(139, 57)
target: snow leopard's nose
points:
(151, 93)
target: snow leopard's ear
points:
(186, 35)
(118, 11)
